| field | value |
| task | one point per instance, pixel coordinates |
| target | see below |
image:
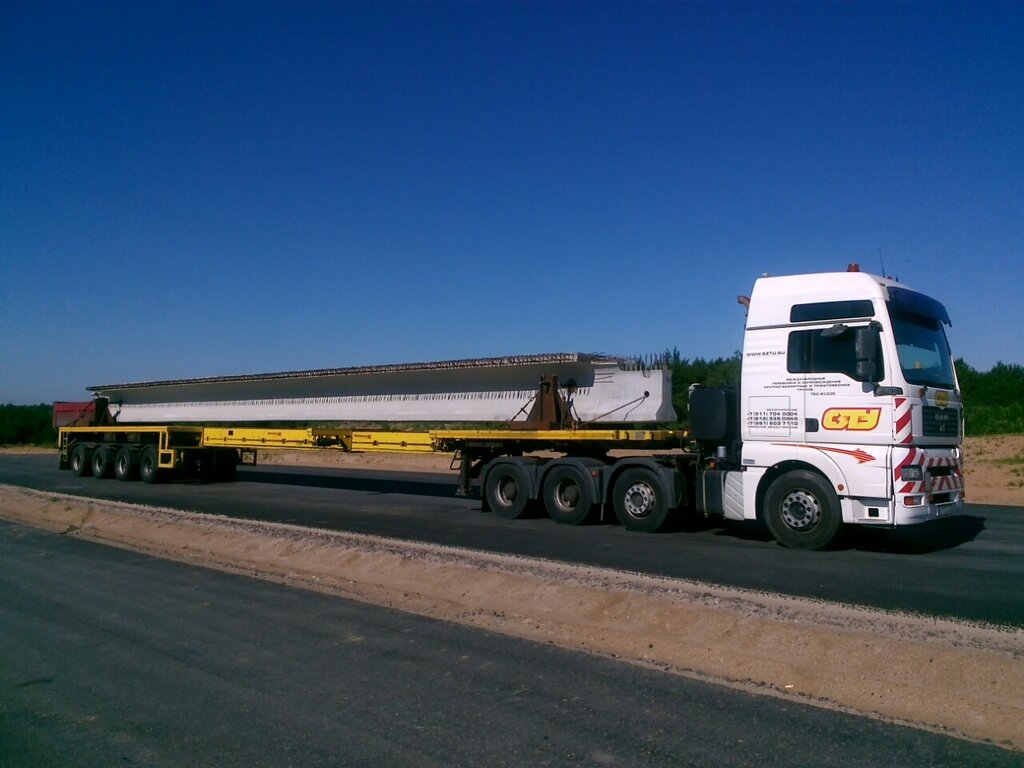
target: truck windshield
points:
(923, 349)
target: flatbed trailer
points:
(573, 487)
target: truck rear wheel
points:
(507, 490)
(124, 464)
(79, 460)
(640, 500)
(102, 466)
(802, 511)
(568, 495)
(149, 466)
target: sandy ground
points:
(957, 678)
(995, 470)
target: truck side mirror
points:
(866, 349)
(867, 371)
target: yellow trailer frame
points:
(469, 446)
(445, 440)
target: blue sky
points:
(229, 187)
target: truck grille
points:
(940, 422)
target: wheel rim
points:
(507, 490)
(567, 495)
(122, 465)
(77, 460)
(801, 510)
(639, 500)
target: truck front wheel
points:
(802, 511)
(640, 499)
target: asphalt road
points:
(970, 567)
(110, 657)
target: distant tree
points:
(27, 425)
(719, 372)
(993, 400)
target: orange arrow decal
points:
(860, 454)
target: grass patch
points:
(1018, 459)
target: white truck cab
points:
(848, 410)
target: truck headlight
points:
(912, 473)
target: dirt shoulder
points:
(958, 678)
(995, 470)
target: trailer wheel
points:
(125, 467)
(149, 466)
(568, 495)
(102, 466)
(80, 460)
(640, 500)
(802, 511)
(507, 490)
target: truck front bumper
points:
(919, 508)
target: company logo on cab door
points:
(856, 419)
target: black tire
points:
(802, 511)
(640, 500)
(149, 467)
(507, 490)
(125, 466)
(569, 495)
(102, 462)
(80, 460)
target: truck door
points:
(843, 417)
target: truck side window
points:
(811, 352)
(831, 310)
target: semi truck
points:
(847, 413)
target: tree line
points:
(994, 399)
(27, 425)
